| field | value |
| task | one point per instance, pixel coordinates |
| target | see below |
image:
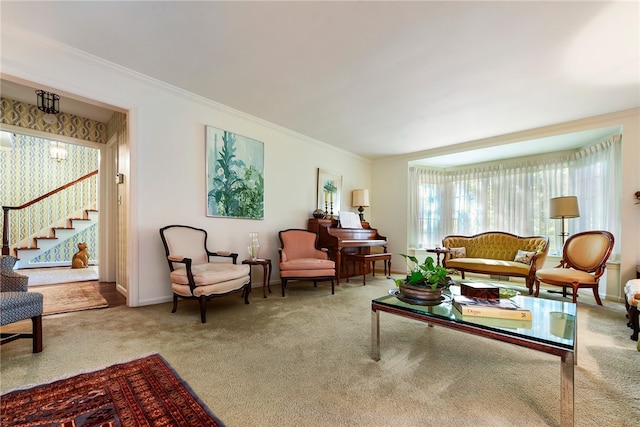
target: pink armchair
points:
(301, 260)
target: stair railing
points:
(38, 217)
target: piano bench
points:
(363, 259)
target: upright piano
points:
(340, 241)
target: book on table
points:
(498, 308)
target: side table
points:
(266, 278)
(438, 252)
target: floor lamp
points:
(564, 207)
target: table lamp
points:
(564, 207)
(360, 199)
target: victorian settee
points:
(496, 253)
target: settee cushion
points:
(494, 266)
(458, 252)
(524, 257)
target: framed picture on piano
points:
(329, 192)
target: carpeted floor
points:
(53, 275)
(304, 360)
(146, 391)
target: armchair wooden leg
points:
(203, 308)
(247, 287)
(596, 296)
(537, 284)
(284, 285)
(574, 287)
(332, 287)
(37, 333)
(175, 303)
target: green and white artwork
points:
(235, 175)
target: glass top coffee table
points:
(552, 330)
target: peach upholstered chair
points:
(193, 275)
(301, 260)
(584, 259)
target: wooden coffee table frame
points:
(567, 356)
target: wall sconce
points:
(49, 104)
(564, 207)
(57, 151)
(360, 199)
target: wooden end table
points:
(266, 277)
(438, 252)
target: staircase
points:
(39, 244)
(36, 227)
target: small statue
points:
(81, 258)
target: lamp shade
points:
(360, 198)
(564, 207)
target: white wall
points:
(167, 182)
(390, 183)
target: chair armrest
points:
(14, 282)
(224, 254)
(180, 259)
(322, 253)
(282, 254)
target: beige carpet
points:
(304, 360)
(70, 297)
(53, 275)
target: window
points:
(514, 197)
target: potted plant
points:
(425, 281)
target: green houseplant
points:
(425, 281)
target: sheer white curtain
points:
(515, 197)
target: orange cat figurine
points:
(81, 258)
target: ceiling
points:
(374, 78)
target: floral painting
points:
(235, 175)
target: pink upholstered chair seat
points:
(213, 272)
(210, 279)
(302, 264)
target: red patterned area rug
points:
(144, 392)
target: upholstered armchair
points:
(17, 304)
(198, 273)
(584, 260)
(301, 260)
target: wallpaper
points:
(28, 116)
